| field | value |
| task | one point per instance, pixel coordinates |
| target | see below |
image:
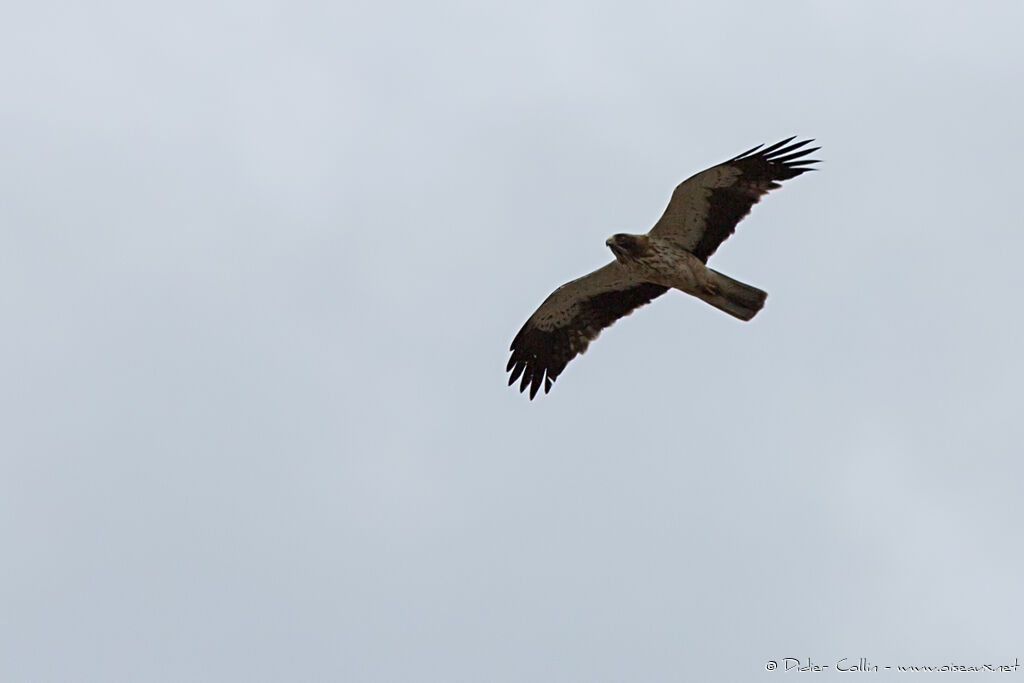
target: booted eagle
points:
(702, 213)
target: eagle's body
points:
(663, 262)
(702, 213)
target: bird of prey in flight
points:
(702, 213)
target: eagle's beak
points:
(616, 249)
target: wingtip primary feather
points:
(516, 371)
(778, 154)
(535, 385)
(771, 148)
(747, 153)
(791, 161)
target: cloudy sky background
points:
(262, 261)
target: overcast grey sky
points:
(262, 262)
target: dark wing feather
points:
(705, 208)
(569, 320)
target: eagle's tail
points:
(734, 297)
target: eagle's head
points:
(627, 247)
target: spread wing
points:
(705, 208)
(570, 319)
